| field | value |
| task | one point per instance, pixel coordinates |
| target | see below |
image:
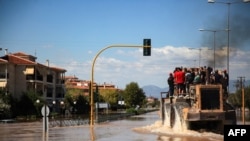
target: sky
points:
(71, 33)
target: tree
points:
(5, 105)
(73, 92)
(236, 99)
(110, 96)
(75, 100)
(82, 105)
(133, 95)
(26, 104)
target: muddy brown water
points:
(145, 127)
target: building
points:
(74, 82)
(20, 73)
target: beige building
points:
(20, 73)
(84, 85)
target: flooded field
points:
(138, 128)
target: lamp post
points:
(199, 53)
(195, 63)
(61, 111)
(200, 49)
(228, 23)
(214, 33)
(74, 108)
(54, 103)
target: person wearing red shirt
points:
(179, 79)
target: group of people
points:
(181, 79)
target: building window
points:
(49, 92)
(49, 78)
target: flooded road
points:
(138, 128)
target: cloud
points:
(154, 69)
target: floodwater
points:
(145, 127)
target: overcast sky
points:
(70, 33)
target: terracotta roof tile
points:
(20, 58)
(19, 61)
(20, 54)
(2, 61)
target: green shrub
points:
(131, 110)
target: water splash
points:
(180, 123)
(167, 118)
(165, 131)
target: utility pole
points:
(241, 85)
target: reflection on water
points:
(92, 133)
(139, 128)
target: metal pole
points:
(228, 31)
(45, 119)
(242, 79)
(92, 105)
(214, 49)
(214, 31)
(243, 106)
(199, 57)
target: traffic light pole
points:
(92, 77)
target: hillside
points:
(155, 91)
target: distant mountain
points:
(154, 91)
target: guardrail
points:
(68, 122)
(61, 122)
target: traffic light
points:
(146, 47)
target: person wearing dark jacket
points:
(171, 84)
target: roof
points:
(21, 58)
(18, 60)
(25, 56)
(58, 69)
(2, 61)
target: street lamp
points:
(199, 53)
(62, 111)
(200, 49)
(195, 63)
(228, 19)
(62, 107)
(54, 103)
(214, 31)
(74, 108)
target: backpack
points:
(188, 78)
